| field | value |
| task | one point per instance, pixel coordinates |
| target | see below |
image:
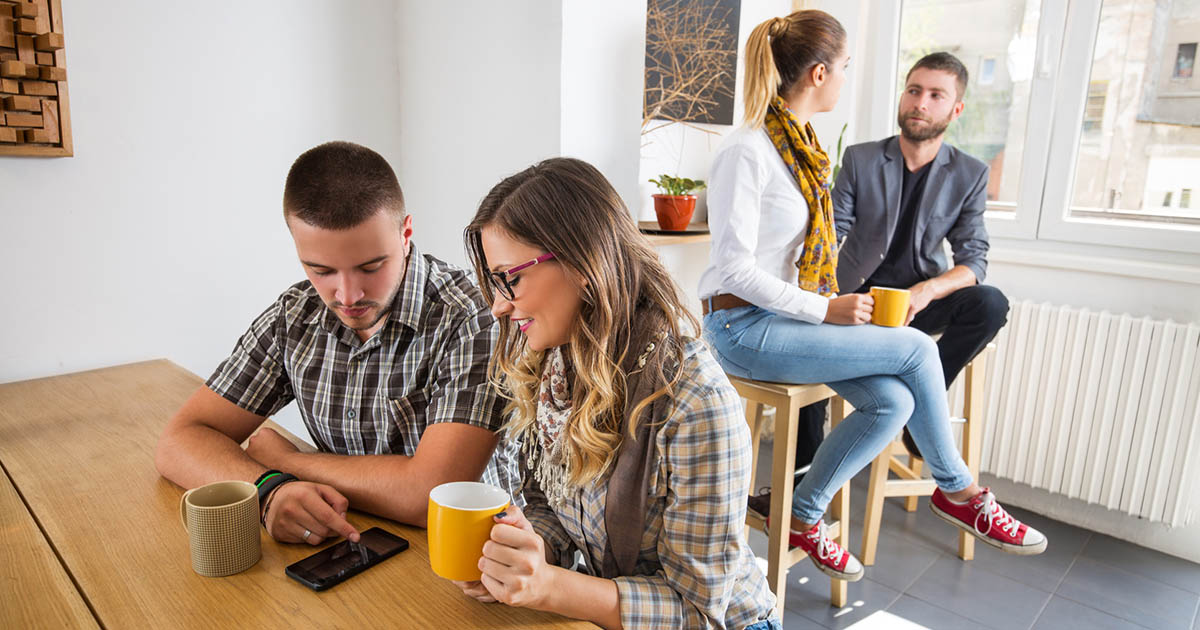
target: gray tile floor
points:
(1083, 580)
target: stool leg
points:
(875, 496)
(754, 416)
(781, 500)
(841, 509)
(972, 436)
(915, 463)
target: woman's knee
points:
(887, 399)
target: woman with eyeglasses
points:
(772, 311)
(634, 448)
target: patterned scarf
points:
(810, 166)
(626, 494)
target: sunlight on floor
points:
(883, 620)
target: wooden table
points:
(91, 533)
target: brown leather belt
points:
(722, 301)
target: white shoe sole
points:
(834, 573)
(1020, 550)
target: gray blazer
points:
(866, 208)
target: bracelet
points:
(267, 506)
(268, 483)
(264, 476)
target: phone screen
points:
(335, 564)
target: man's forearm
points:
(385, 485)
(195, 455)
(957, 277)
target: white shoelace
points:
(826, 548)
(992, 514)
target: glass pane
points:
(996, 41)
(1139, 152)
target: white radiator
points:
(1098, 407)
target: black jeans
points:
(968, 319)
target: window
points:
(1185, 60)
(992, 126)
(1093, 113)
(1151, 144)
(1086, 111)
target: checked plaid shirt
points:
(695, 569)
(427, 365)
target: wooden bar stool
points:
(787, 400)
(910, 483)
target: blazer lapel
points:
(892, 176)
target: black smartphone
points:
(336, 564)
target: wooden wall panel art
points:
(35, 117)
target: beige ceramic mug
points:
(221, 520)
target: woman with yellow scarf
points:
(771, 303)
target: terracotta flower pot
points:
(674, 211)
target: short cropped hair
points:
(338, 185)
(945, 62)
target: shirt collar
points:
(410, 300)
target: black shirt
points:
(899, 266)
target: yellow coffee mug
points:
(891, 306)
(460, 522)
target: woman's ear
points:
(818, 74)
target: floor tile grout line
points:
(1109, 564)
(944, 609)
(1059, 584)
(1103, 612)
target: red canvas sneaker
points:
(983, 517)
(829, 556)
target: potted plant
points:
(675, 205)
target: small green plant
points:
(837, 165)
(677, 185)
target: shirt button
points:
(350, 414)
(862, 280)
(881, 257)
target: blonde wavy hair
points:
(567, 207)
(781, 51)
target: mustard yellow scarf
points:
(810, 166)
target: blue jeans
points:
(892, 376)
(767, 624)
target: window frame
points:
(1066, 38)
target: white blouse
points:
(758, 220)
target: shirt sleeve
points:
(699, 548)
(735, 191)
(254, 377)
(969, 237)
(463, 393)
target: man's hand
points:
(270, 449)
(475, 589)
(514, 564)
(302, 506)
(921, 294)
(851, 309)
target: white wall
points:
(603, 53)
(480, 100)
(163, 236)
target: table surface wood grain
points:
(80, 449)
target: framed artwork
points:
(691, 60)
(35, 118)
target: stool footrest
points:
(909, 488)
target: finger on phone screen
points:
(320, 510)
